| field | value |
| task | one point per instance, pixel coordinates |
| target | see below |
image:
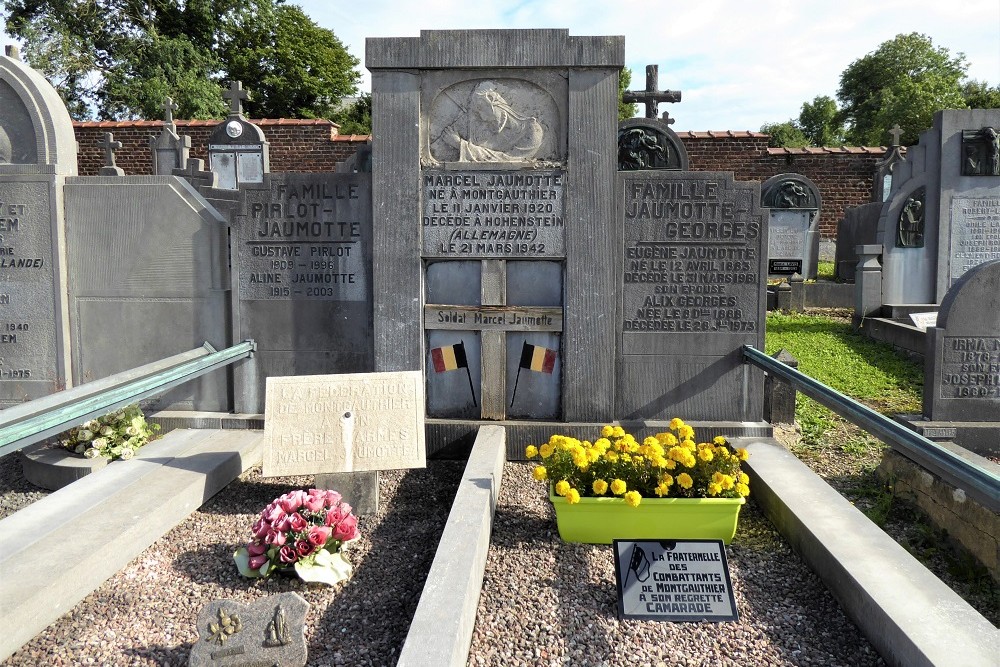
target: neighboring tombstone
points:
(37, 152)
(170, 151)
(942, 218)
(962, 362)
(793, 225)
(493, 180)
(237, 150)
(692, 293)
(269, 631)
(882, 183)
(301, 278)
(109, 146)
(650, 144)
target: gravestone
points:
(793, 225)
(301, 278)
(268, 631)
(170, 151)
(492, 191)
(237, 150)
(962, 362)
(691, 295)
(37, 152)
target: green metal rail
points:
(966, 475)
(31, 422)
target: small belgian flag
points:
(537, 358)
(449, 358)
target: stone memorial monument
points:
(237, 149)
(170, 151)
(793, 225)
(37, 154)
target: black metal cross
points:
(236, 95)
(896, 133)
(168, 111)
(110, 146)
(652, 97)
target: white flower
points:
(131, 431)
(91, 425)
(100, 443)
(85, 434)
(127, 454)
(92, 453)
(80, 449)
(107, 430)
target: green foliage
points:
(626, 110)
(355, 118)
(905, 80)
(121, 58)
(785, 135)
(979, 95)
(824, 270)
(821, 123)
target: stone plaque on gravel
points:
(343, 423)
(269, 631)
(682, 580)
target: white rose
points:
(107, 430)
(80, 449)
(91, 453)
(85, 435)
(127, 454)
(100, 443)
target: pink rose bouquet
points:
(304, 530)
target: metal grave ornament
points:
(674, 580)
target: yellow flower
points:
(719, 440)
(676, 423)
(714, 489)
(602, 445)
(684, 480)
(705, 455)
(611, 455)
(727, 482)
(667, 439)
(618, 432)
(743, 490)
(618, 487)
(667, 480)
(593, 454)
(717, 477)
(546, 450)
(649, 441)
(572, 496)
(562, 487)
(744, 478)
(607, 431)
(743, 454)
(689, 460)
(685, 431)
(600, 487)
(539, 473)
(633, 498)
(531, 451)
(669, 464)
(662, 490)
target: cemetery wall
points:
(844, 175)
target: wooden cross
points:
(236, 95)
(168, 108)
(896, 133)
(110, 146)
(652, 97)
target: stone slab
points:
(909, 615)
(268, 631)
(359, 489)
(80, 536)
(344, 423)
(441, 630)
(53, 467)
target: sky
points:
(738, 63)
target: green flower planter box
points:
(601, 520)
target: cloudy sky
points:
(738, 63)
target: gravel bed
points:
(145, 614)
(549, 603)
(15, 492)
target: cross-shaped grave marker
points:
(168, 111)
(896, 133)
(109, 145)
(236, 95)
(652, 97)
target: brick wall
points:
(843, 175)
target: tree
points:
(820, 122)
(979, 95)
(120, 58)
(785, 135)
(905, 80)
(625, 109)
(355, 118)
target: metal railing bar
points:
(953, 467)
(64, 410)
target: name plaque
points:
(492, 214)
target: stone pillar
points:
(779, 396)
(867, 283)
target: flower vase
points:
(601, 520)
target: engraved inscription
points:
(691, 259)
(302, 241)
(975, 233)
(970, 367)
(489, 214)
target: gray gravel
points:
(550, 603)
(15, 492)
